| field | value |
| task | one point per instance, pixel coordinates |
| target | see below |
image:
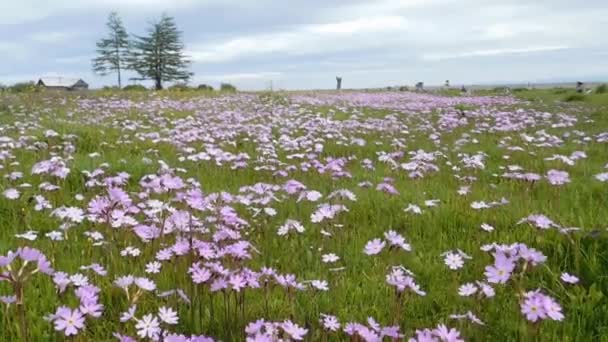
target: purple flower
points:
(446, 334)
(500, 272)
(556, 177)
(296, 332)
(533, 308)
(330, 323)
(568, 278)
(467, 290)
(69, 321)
(374, 247)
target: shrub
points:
(179, 87)
(519, 90)
(574, 97)
(205, 87)
(227, 87)
(560, 91)
(135, 87)
(603, 89)
(24, 87)
(403, 88)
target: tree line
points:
(157, 56)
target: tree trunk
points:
(159, 84)
(119, 79)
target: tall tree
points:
(112, 51)
(159, 55)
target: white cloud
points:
(306, 39)
(245, 76)
(74, 60)
(373, 24)
(53, 37)
(493, 52)
(22, 11)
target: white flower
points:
(453, 261)
(11, 194)
(602, 177)
(412, 208)
(569, 278)
(130, 251)
(487, 227)
(270, 211)
(320, 285)
(313, 196)
(153, 267)
(467, 290)
(54, 235)
(128, 315)
(168, 315)
(145, 284)
(432, 203)
(330, 258)
(148, 326)
(29, 235)
(289, 226)
(480, 205)
(79, 280)
(464, 190)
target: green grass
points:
(360, 290)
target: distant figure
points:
(420, 86)
(463, 89)
(339, 83)
(580, 87)
(447, 83)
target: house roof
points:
(60, 81)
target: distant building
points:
(61, 83)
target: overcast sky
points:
(305, 44)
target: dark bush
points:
(179, 87)
(227, 87)
(24, 87)
(575, 98)
(603, 89)
(519, 90)
(205, 87)
(560, 91)
(135, 87)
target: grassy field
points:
(226, 209)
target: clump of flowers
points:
(17, 268)
(262, 330)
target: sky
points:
(294, 44)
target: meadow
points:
(361, 216)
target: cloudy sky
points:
(300, 44)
